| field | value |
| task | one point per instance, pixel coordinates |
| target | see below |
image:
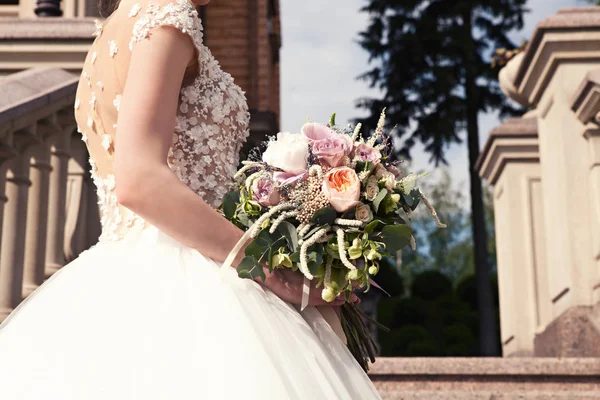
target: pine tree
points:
(431, 59)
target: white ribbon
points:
(236, 249)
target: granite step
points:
(485, 395)
(487, 378)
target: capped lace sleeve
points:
(179, 14)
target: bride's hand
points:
(287, 285)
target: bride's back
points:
(212, 117)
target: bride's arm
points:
(144, 182)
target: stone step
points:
(486, 395)
(487, 378)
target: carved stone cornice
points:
(514, 141)
(586, 102)
(572, 35)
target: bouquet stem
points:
(360, 342)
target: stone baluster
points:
(6, 153)
(48, 8)
(59, 160)
(14, 227)
(77, 201)
(37, 213)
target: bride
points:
(147, 313)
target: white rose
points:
(289, 153)
(372, 188)
(389, 180)
(363, 213)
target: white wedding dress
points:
(141, 316)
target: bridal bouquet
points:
(328, 203)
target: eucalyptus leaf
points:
(250, 268)
(324, 216)
(244, 219)
(395, 237)
(379, 198)
(289, 232)
(370, 228)
(230, 205)
(315, 257)
(264, 245)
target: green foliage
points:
(424, 54)
(395, 237)
(440, 301)
(440, 325)
(324, 216)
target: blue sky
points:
(320, 61)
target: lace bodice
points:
(212, 118)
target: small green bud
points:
(353, 275)
(373, 270)
(328, 294)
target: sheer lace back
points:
(212, 117)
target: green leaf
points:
(396, 237)
(257, 250)
(229, 206)
(263, 246)
(295, 257)
(250, 268)
(244, 219)
(289, 232)
(379, 198)
(370, 228)
(332, 120)
(315, 257)
(324, 216)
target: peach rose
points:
(342, 188)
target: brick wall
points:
(244, 36)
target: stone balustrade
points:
(47, 215)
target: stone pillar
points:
(37, 218)
(510, 162)
(13, 238)
(59, 160)
(586, 106)
(560, 55)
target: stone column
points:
(586, 106)
(13, 238)
(37, 218)
(593, 137)
(510, 162)
(6, 153)
(563, 50)
(59, 160)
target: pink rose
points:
(342, 188)
(314, 131)
(286, 178)
(331, 151)
(264, 191)
(364, 152)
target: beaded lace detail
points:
(212, 118)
